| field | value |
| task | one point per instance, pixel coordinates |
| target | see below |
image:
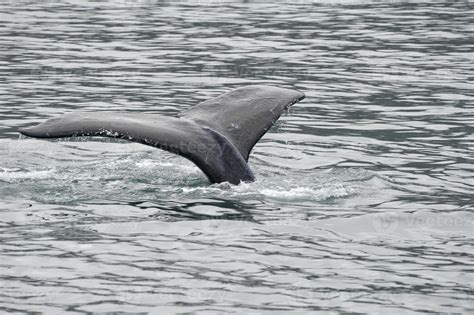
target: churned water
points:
(364, 196)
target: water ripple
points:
(363, 202)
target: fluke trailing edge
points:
(217, 135)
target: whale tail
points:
(217, 135)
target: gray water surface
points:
(364, 197)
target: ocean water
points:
(364, 198)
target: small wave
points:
(151, 164)
(309, 193)
(15, 176)
(281, 193)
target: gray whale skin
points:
(217, 135)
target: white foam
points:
(15, 176)
(150, 164)
(281, 193)
(307, 193)
(293, 193)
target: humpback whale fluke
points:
(217, 135)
